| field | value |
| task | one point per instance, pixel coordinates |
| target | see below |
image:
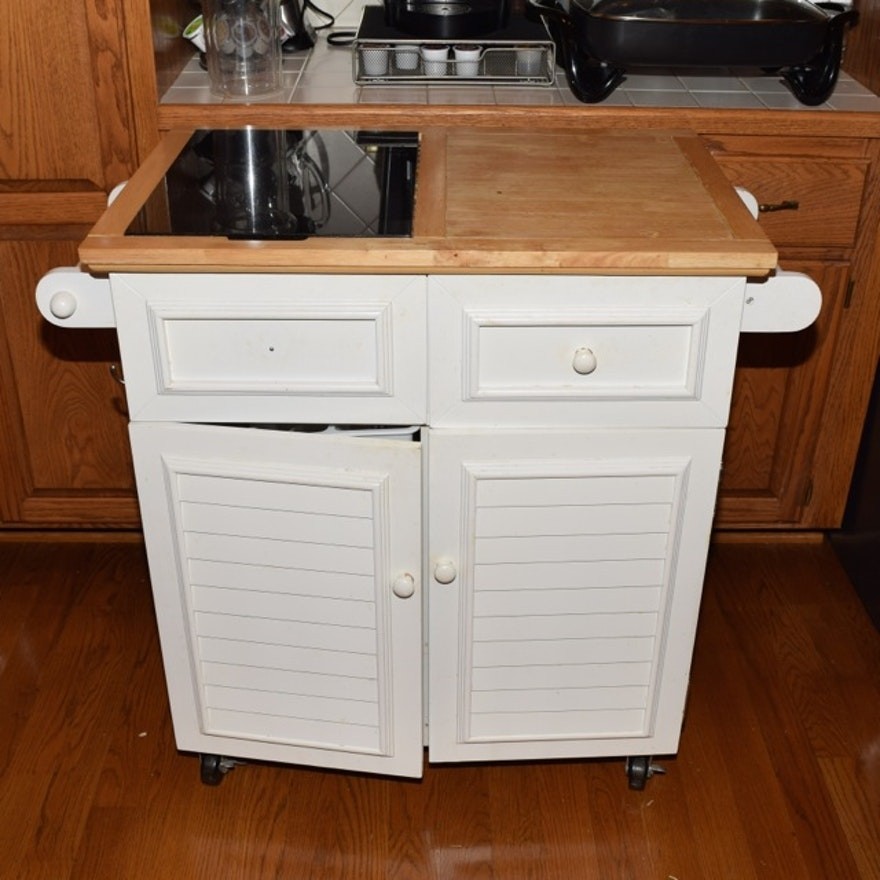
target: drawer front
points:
(805, 202)
(582, 351)
(272, 348)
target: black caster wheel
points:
(639, 769)
(213, 768)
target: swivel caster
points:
(639, 770)
(213, 768)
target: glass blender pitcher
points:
(243, 46)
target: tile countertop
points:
(323, 75)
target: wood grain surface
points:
(64, 457)
(777, 777)
(608, 202)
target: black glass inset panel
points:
(286, 184)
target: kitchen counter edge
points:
(817, 123)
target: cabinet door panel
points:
(583, 649)
(779, 393)
(69, 135)
(285, 641)
(65, 458)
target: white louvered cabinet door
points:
(286, 572)
(565, 570)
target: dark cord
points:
(331, 19)
(341, 38)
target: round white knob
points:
(404, 586)
(63, 304)
(444, 571)
(584, 361)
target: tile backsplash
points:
(325, 74)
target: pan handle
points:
(552, 10)
(813, 83)
(842, 8)
(590, 80)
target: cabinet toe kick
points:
(783, 303)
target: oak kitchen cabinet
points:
(68, 118)
(786, 461)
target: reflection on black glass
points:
(287, 185)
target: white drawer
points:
(548, 350)
(273, 348)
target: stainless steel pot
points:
(598, 40)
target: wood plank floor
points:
(778, 775)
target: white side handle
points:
(783, 303)
(69, 297)
(748, 200)
(114, 193)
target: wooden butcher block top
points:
(496, 201)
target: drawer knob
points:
(584, 361)
(444, 571)
(404, 586)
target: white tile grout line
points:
(655, 89)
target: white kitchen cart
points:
(518, 578)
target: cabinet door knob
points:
(584, 361)
(63, 304)
(404, 586)
(444, 571)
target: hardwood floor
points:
(778, 774)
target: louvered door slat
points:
(304, 659)
(322, 610)
(567, 574)
(571, 519)
(280, 554)
(268, 579)
(323, 684)
(546, 600)
(278, 525)
(564, 675)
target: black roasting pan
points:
(787, 35)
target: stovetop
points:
(286, 184)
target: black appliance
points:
(597, 41)
(446, 19)
(287, 184)
(299, 33)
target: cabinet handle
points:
(444, 571)
(116, 373)
(784, 205)
(404, 586)
(584, 361)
